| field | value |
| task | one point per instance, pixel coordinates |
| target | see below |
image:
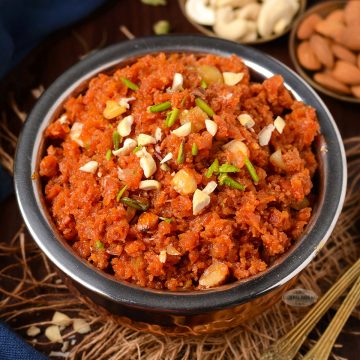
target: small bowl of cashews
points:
(244, 21)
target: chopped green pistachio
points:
(251, 170)
(225, 179)
(165, 167)
(168, 220)
(161, 27)
(135, 204)
(129, 83)
(181, 153)
(203, 84)
(108, 154)
(116, 140)
(160, 107)
(183, 100)
(87, 146)
(204, 106)
(121, 193)
(194, 149)
(138, 148)
(226, 168)
(214, 168)
(172, 117)
(99, 245)
(154, 2)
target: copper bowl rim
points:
(31, 203)
(294, 42)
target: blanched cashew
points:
(228, 26)
(274, 10)
(200, 12)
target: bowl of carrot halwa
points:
(181, 182)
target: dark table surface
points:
(65, 47)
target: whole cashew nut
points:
(249, 12)
(200, 12)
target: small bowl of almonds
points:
(325, 48)
(244, 21)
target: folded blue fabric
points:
(23, 24)
(13, 347)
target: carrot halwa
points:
(178, 172)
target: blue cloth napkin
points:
(23, 24)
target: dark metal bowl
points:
(165, 311)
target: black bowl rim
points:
(39, 227)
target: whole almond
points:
(326, 80)
(331, 29)
(307, 57)
(343, 53)
(356, 91)
(350, 37)
(346, 72)
(336, 16)
(307, 26)
(321, 48)
(352, 13)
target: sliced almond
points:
(211, 127)
(177, 82)
(90, 167)
(128, 146)
(210, 187)
(279, 124)
(214, 275)
(81, 326)
(200, 201)
(183, 130)
(265, 134)
(158, 134)
(231, 78)
(75, 133)
(166, 158)
(144, 139)
(61, 319)
(246, 120)
(52, 332)
(124, 126)
(33, 331)
(162, 256)
(149, 185)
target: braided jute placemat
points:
(31, 292)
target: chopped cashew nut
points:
(172, 251)
(124, 127)
(144, 139)
(149, 185)
(147, 163)
(200, 201)
(167, 157)
(81, 326)
(162, 256)
(90, 167)
(183, 130)
(211, 126)
(75, 133)
(63, 119)
(246, 120)
(128, 146)
(199, 12)
(265, 134)
(231, 78)
(52, 332)
(33, 331)
(177, 82)
(124, 102)
(279, 124)
(236, 146)
(113, 109)
(210, 187)
(184, 182)
(158, 134)
(214, 275)
(61, 319)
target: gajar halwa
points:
(178, 172)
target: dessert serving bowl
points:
(178, 312)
